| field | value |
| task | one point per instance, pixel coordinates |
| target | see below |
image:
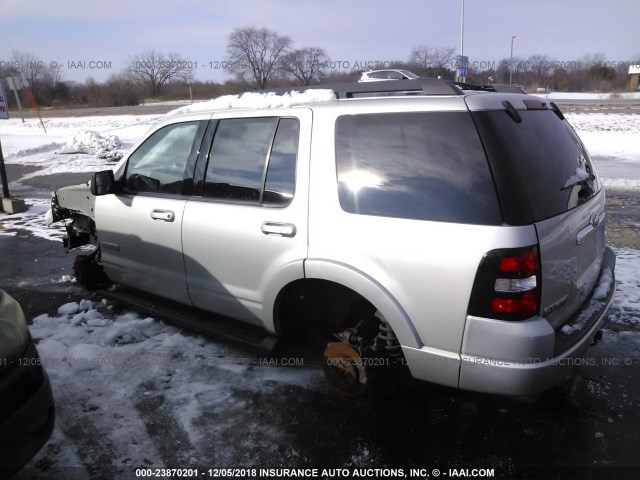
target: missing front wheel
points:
(88, 270)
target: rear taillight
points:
(507, 285)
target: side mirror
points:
(103, 183)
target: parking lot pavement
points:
(589, 423)
(623, 222)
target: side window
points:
(280, 182)
(423, 165)
(159, 164)
(238, 157)
(253, 160)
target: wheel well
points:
(321, 303)
(80, 231)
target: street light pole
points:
(511, 63)
(461, 78)
(462, 30)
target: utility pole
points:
(462, 62)
(511, 63)
(15, 83)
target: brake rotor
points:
(345, 369)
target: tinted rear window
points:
(540, 157)
(424, 165)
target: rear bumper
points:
(516, 358)
(27, 412)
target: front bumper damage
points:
(75, 203)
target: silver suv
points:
(457, 232)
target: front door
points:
(140, 229)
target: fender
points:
(289, 273)
(370, 289)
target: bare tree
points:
(430, 61)
(154, 69)
(306, 64)
(256, 52)
(44, 79)
(51, 81)
(541, 67)
(29, 67)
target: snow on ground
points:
(87, 346)
(27, 143)
(613, 141)
(33, 220)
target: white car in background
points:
(382, 75)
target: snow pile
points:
(103, 145)
(260, 101)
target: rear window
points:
(540, 157)
(424, 165)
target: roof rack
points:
(419, 86)
(496, 87)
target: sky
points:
(96, 39)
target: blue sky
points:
(107, 32)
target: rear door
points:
(552, 179)
(245, 235)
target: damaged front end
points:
(75, 203)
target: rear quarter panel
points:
(428, 268)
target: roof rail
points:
(496, 87)
(418, 86)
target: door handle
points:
(279, 229)
(164, 215)
(594, 221)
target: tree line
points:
(259, 58)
